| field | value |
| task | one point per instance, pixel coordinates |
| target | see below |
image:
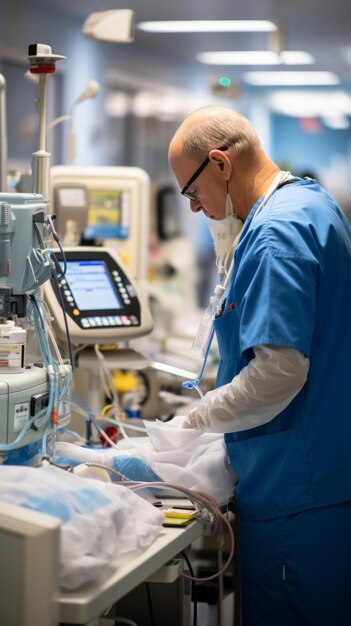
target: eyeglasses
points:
(192, 196)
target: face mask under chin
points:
(225, 231)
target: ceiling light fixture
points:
(208, 26)
(310, 103)
(265, 79)
(336, 121)
(255, 57)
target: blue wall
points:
(301, 150)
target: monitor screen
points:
(109, 214)
(72, 197)
(99, 299)
(90, 285)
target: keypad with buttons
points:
(91, 285)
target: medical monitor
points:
(71, 211)
(101, 301)
(109, 214)
(107, 206)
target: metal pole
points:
(3, 135)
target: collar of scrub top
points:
(280, 179)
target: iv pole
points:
(3, 135)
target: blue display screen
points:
(91, 286)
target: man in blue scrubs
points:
(282, 397)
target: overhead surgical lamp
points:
(114, 26)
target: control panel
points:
(99, 298)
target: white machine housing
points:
(77, 191)
(21, 397)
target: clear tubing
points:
(118, 422)
(111, 390)
(204, 504)
(4, 447)
(194, 384)
(89, 415)
(54, 344)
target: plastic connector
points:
(50, 370)
(219, 290)
(206, 517)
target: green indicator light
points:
(224, 81)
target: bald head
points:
(216, 152)
(213, 127)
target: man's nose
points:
(195, 206)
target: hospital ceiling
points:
(319, 27)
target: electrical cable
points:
(115, 404)
(193, 586)
(204, 504)
(217, 518)
(105, 409)
(112, 470)
(35, 303)
(63, 258)
(149, 602)
(59, 270)
(220, 587)
(107, 382)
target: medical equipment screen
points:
(96, 291)
(90, 279)
(109, 214)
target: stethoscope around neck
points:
(217, 300)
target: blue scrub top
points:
(291, 287)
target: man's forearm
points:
(256, 395)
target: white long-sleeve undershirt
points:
(256, 395)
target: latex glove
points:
(185, 423)
(176, 422)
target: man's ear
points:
(222, 161)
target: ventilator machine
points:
(56, 302)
